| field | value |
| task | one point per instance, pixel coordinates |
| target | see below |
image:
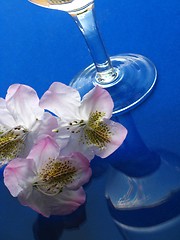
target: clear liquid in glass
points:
(70, 6)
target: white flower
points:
(21, 120)
(49, 183)
(85, 124)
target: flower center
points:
(12, 143)
(54, 176)
(92, 132)
(96, 131)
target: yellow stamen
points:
(96, 131)
(12, 143)
(54, 176)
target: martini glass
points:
(129, 78)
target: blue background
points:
(39, 46)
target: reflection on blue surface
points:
(134, 158)
(144, 185)
(37, 48)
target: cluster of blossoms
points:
(47, 144)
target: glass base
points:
(136, 76)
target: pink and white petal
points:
(98, 99)
(47, 125)
(44, 150)
(61, 100)
(2, 103)
(23, 103)
(83, 170)
(61, 204)
(41, 129)
(6, 118)
(68, 201)
(18, 175)
(74, 144)
(119, 133)
(34, 200)
(63, 135)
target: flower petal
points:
(82, 168)
(62, 100)
(41, 129)
(61, 204)
(47, 125)
(98, 99)
(118, 132)
(75, 144)
(22, 175)
(23, 103)
(6, 119)
(44, 149)
(18, 174)
(70, 200)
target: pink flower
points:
(84, 124)
(49, 183)
(21, 122)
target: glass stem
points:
(87, 24)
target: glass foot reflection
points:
(148, 203)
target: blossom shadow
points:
(52, 228)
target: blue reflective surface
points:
(39, 46)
